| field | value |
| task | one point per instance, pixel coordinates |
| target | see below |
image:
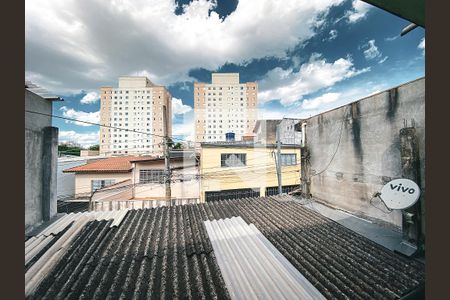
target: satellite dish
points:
(400, 193)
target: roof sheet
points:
(72, 206)
(252, 267)
(165, 252)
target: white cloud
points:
(95, 41)
(184, 130)
(89, 98)
(316, 102)
(422, 45)
(371, 51)
(393, 38)
(358, 12)
(84, 139)
(93, 117)
(270, 114)
(179, 108)
(290, 86)
(333, 34)
(383, 59)
(322, 103)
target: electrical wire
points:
(338, 143)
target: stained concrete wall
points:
(40, 162)
(368, 150)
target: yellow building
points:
(237, 170)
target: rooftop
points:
(118, 164)
(34, 88)
(166, 252)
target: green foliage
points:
(177, 146)
(69, 149)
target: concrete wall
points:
(259, 172)
(66, 181)
(41, 142)
(368, 155)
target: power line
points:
(338, 143)
(92, 123)
(126, 129)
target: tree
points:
(170, 143)
(69, 149)
(94, 147)
(178, 146)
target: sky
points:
(307, 56)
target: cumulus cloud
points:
(84, 139)
(322, 103)
(422, 45)
(178, 108)
(358, 12)
(371, 50)
(89, 98)
(316, 102)
(95, 41)
(93, 117)
(289, 86)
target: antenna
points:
(400, 193)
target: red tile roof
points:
(120, 164)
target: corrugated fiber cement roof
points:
(165, 253)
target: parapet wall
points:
(366, 136)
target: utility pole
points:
(167, 177)
(278, 160)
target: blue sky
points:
(317, 56)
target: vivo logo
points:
(400, 193)
(400, 188)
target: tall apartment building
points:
(224, 105)
(137, 105)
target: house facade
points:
(137, 178)
(236, 170)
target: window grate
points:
(233, 159)
(151, 176)
(99, 184)
(289, 159)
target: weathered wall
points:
(40, 162)
(368, 155)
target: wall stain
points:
(320, 123)
(356, 130)
(392, 104)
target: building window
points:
(151, 176)
(99, 184)
(289, 159)
(233, 159)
